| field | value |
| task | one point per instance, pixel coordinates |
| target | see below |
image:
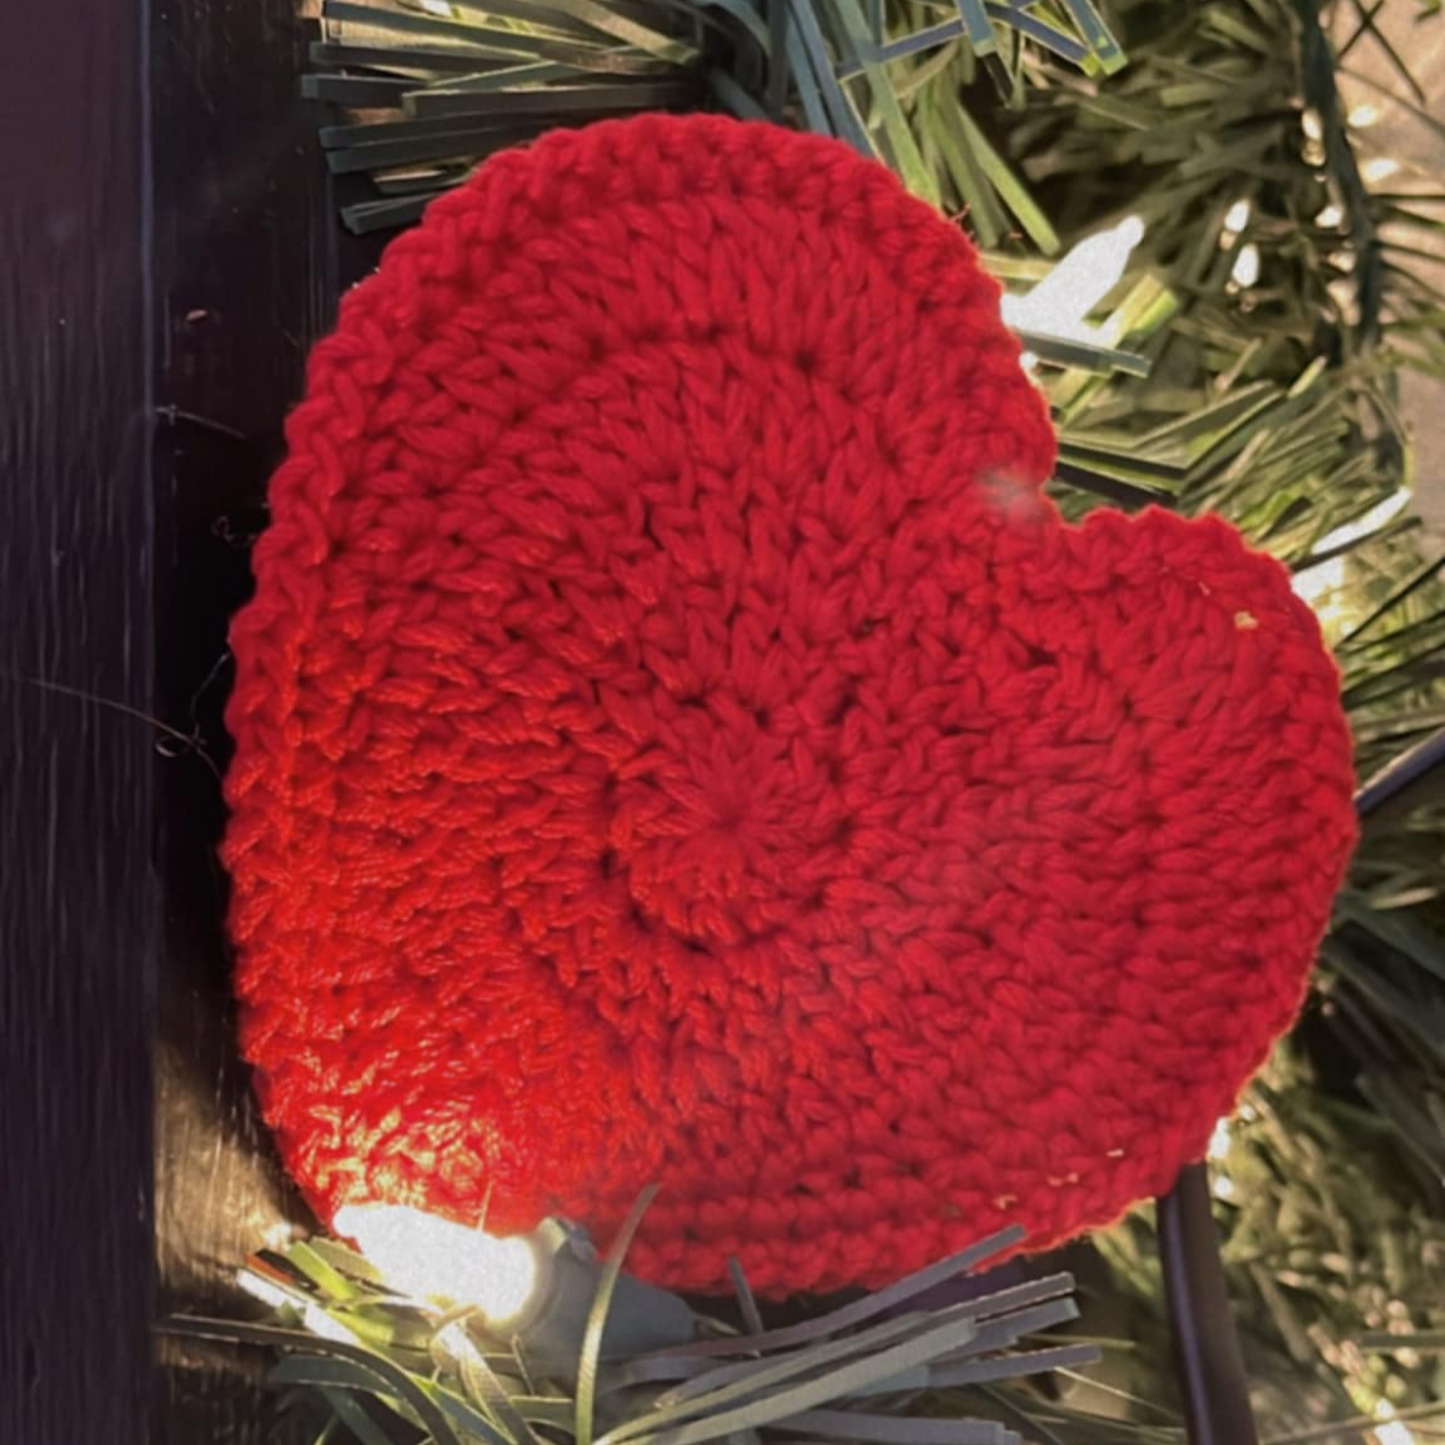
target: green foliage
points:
(396, 1370)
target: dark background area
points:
(79, 907)
(249, 260)
(168, 252)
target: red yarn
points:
(676, 740)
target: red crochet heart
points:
(677, 741)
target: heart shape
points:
(676, 740)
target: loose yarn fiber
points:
(677, 740)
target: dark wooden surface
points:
(78, 897)
(168, 251)
(249, 262)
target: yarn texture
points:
(678, 741)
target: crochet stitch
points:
(677, 740)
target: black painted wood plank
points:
(250, 260)
(238, 256)
(79, 905)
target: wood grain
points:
(250, 259)
(79, 906)
(168, 250)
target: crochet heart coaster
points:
(677, 741)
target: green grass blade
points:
(585, 1419)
